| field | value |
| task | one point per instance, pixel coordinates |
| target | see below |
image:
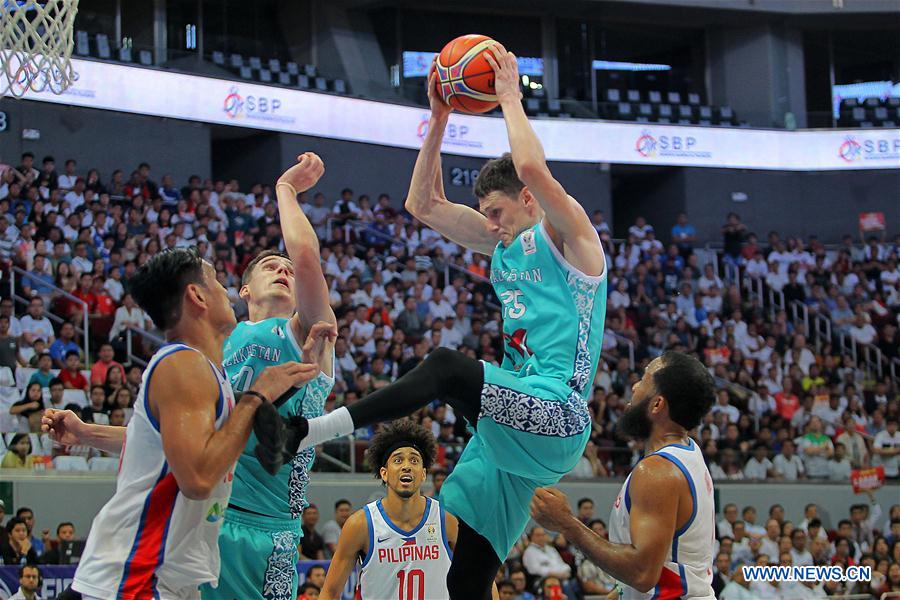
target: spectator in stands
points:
(886, 449)
(331, 531)
(29, 583)
(839, 465)
(312, 546)
(104, 364)
(65, 532)
(308, 591)
(316, 575)
(519, 580)
(586, 511)
(541, 559)
(506, 590)
(10, 356)
(71, 375)
(35, 324)
(800, 556)
(759, 466)
(816, 448)
(67, 180)
(38, 281)
(18, 549)
(43, 376)
(19, 454)
(64, 344)
(31, 407)
(788, 465)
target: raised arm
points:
(302, 245)
(199, 455)
(66, 428)
(426, 200)
(569, 226)
(352, 543)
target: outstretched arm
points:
(66, 428)
(569, 225)
(426, 200)
(653, 522)
(352, 543)
(302, 246)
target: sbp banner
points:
(58, 578)
(866, 480)
(163, 93)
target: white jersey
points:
(150, 541)
(687, 570)
(410, 565)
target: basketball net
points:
(36, 44)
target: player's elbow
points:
(532, 171)
(195, 487)
(416, 207)
(646, 580)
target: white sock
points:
(335, 424)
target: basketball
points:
(465, 79)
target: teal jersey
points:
(553, 314)
(249, 349)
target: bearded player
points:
(530, 417)
(660, 544)
(403, 543)
(287, 300)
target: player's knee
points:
(449, 363)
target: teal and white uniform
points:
(534, 422)
(258, 544)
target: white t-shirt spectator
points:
(789, 468)
(806, 359)
(801, 559)
(839, 471)
(776, 281)
(540, 561)
(442, 309)
(66, 182)
(619, 299)
(733, 413)
(74, 200)
(816, 464)
(363, 329)
(891, 463)
(704, 283)
(757, 268)
(863, 335)
(331, 532)
(39, 328)
(755, 469)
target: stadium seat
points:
(849, 103)
(624, 111)
(102, 42)
(674, 98)
(645, 110)
(265, 75)
(532, 105)
(340, 86)
(105, 464)
(82, 44)
(75, 397)
(726, 115)
(867, 125)
(685, 112)
(872, 102)
(634, 96)
(236, 61)
(554, 107)
(665, 110)
(663, 120)
(8, 397)
(704, 122)
(274, 65)
(642, 119)
(218, 58)
(303, 82)
(881, 113)
(310, 70)
(125, 54)
(321, 84)
(70, 463)
(859, 114)
(694, 99)
(888, 124)
(613, 95)
(145, 57)
(285, 79)
(246, 73)
(705, 112)
(292, 68)
(684, 121)
(539, 93)
(255, 63)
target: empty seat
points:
(613, 95)
(645, 110)
(554, 106)
(654, 97)
(867, 125)
(236, 61)
(255, 63)
(893, 102)
(102, 41)
(674, 98)
(274, 65)
(284, 78)
(643, 119)
(339, 86)
(70, 463)
(888, 124)
(634, 96)
(310, 70)
(881, 113)
(321, 84)
(75, 397)
(246, 73)
(624, 110)
(849, 102)
(265, 76)
(665, 110)
(704, 122)
(538, 93)
(705, 112)
(82, 44)
(873, 102)
(125, 54)
(218, 58)
(694, 99)
(684, 121)
(145, 57)
(726, 114)
(532, 105)
(859, 113)
(303, 82)
(685, 112)
(106, 464)
(292, 68)
(663, 120)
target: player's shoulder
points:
(655, 470)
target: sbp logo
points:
(645, 144)
(850, 150)
(453, 132)
(235, 106)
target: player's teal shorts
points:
(258, 558)
(531, 432)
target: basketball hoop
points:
(36, 46)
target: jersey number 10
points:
(414, 582)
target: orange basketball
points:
(465, 79)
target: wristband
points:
(262, 398)
(292, 188)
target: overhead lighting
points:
(612, 65)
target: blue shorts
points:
(531, 431)
(259, 558)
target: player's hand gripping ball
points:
(465, 79)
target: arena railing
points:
(873, 360)
(822, 330)
(139, 359)
(895, 370)
(776, 302)
(800, 314)
(84, 330)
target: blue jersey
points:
(249, 349)
(553, 315)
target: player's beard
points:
(635, 422)
(407, 493)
